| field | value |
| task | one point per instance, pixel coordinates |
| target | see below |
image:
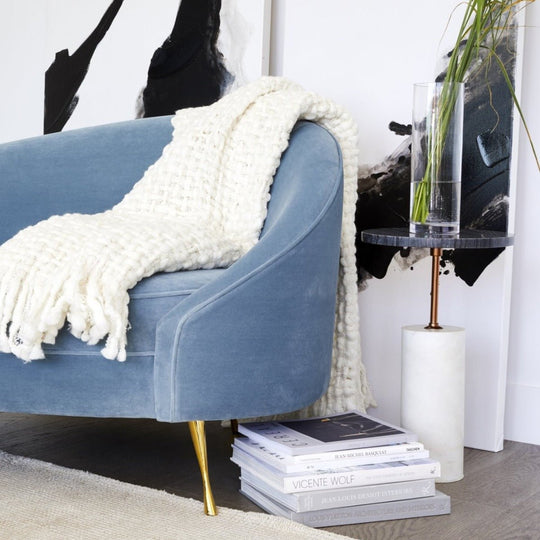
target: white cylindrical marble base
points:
(433, 393)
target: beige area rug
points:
(40, 501)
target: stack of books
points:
(336, 470)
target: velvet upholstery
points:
(251, 340)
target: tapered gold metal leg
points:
(196, 428)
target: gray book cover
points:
(336, 498)
(435, 505)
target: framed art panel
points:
(367, 56)
(72, 63)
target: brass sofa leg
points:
(196, 428)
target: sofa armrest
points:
(258, 340)
(84, 170)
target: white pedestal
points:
(433, 393)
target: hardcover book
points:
(331, 460)
(349, 430)
(427, 506)
(359, 475)
(337, 498)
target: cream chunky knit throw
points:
(202, 204)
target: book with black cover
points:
(343, 431)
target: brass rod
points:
(435, 260)
(198, 436)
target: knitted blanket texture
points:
(202, 204)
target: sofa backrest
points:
(86, 170)
(89, 170)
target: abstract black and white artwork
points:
(367, 56)
(487, 142)
(111, 60)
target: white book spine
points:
(338, 498)
(338, 459)
(376, 451)
(360, 475)
(325, 465)
(413, 470)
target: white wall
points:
(523, 397)
(366, 56)
(363, 55)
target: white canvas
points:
(32, 31)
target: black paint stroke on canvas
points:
(383, 201)
(66, 74)
(383, 191)
(188, 69)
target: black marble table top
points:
(467, 239)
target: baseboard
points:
(522, 415)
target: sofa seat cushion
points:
(150, 299)
(76, 380)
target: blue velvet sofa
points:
(254, 339)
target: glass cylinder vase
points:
(437, 142)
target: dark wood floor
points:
(498, 499)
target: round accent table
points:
(433, 356)
(467, 239)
